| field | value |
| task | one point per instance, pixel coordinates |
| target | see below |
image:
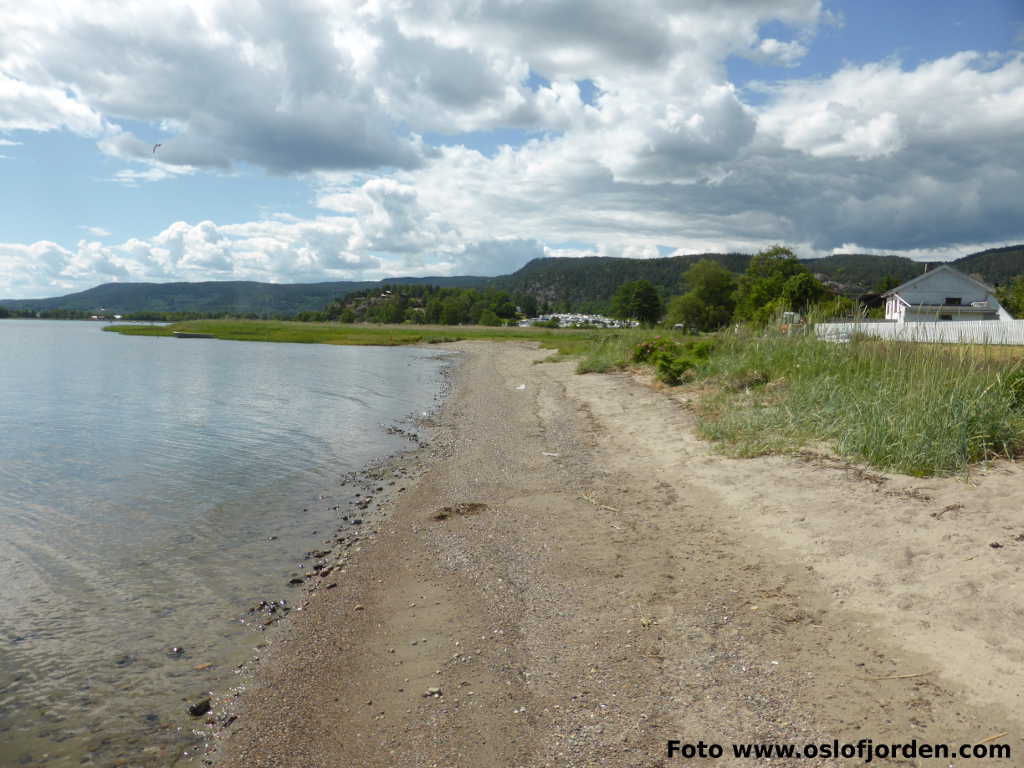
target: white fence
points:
(966, 332)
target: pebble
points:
(199, 708)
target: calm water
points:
(142, 481)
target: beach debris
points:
(552, 455)
(521, 387)
(462, 508)
(596, 503)
(176, 652)
(433, 692)
(898, 677)
(202, 667)
(359, 607)
(999, 735)
(199, 708)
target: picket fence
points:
(966, 332)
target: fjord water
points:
(151, 491)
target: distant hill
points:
(857, 273)
(243, 298)
(584, 284)
(996, 265)
(587, 284)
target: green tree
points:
(637, 300)
(887, 283)
(775, 281)
(1011, 296)
(709, 302)
(487, 317)
(451, 312)
(434, 312)
(527, 303)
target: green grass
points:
(904, 407)
(567, 342)
(614, 350)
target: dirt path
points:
(621, 586)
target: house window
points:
(945, 317)
(952, 301)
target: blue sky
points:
(325, 141)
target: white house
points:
(943, 293)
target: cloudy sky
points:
(305, 141)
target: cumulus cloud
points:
(666, 152)
(786, 54)
(27, 106)
(877, 109)
(95, 231)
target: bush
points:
(672, 360)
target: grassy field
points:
(567, 342)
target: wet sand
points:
(572, 578)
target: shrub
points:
(672, 360)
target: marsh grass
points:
(911, 408)
(566, 341)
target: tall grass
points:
(906, 407)
(613, 350)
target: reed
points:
(900, 406)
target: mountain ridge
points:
(581, 284)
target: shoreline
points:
(381, 484)
(574, 578)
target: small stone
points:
(200, 708)
(358, 607)
(435, 692)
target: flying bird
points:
(155, 147)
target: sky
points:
(302, 141)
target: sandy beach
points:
(570, 577)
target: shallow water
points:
(152, 491)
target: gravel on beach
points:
(569, 578)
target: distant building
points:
(943, 293)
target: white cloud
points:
(95, 231)
(667, 154)
(9, 143)
(34, 107)
(787, 54)
(878, 109)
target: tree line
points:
(775, 281)
(427, 304)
